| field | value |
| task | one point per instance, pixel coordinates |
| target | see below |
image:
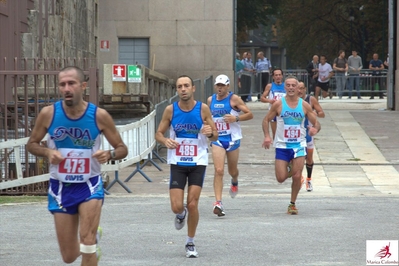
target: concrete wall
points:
(192, 37)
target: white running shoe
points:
(191, 252)
(179, 222)
(218, 209)
(309, 186)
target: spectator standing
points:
(340, 66)
(386, 63)
(313, 73)
(355, 65)
(250, 69)
(263, 68)
(239, 68)
(239, 65)
(376, 66)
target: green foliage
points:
(324, 27)
(252, 13)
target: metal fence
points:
(26, 86)
(202, 92)
(138, 136)
(366, 83)
(250, 83)
(208, 87)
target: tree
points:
(324, 27)
(252, 13)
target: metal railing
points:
(250, 83)
(27, 85)
(366, 83)
(139, 137)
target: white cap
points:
(222, 79)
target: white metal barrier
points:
(139, 137)
(17, 145)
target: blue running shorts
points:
(227, 145)
(289, 154)
(66, 197)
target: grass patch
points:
(355, 159)
(21, 199)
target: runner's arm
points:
(107, 126)
(317, 107)
(239, 104)
(209, 128)
(163, 126)
(39, 132)
(264, 97)
(273, 112)
(313, 130)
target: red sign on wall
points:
(118, 72)
(104, 45)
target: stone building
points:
(48, 29)
(192, 37)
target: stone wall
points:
(68, 29)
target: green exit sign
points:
(133, 74)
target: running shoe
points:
(191, 252)
(98, 237)
(292, 209)
(309, 186)
(233, 191)
(179, 221)
(98, 253)
(218, 209)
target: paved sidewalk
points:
(356, 189)
(349, 160)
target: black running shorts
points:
(180, 175)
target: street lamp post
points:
(363, 33)
(351, 19)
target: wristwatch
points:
(237, 118)
(112, 153)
